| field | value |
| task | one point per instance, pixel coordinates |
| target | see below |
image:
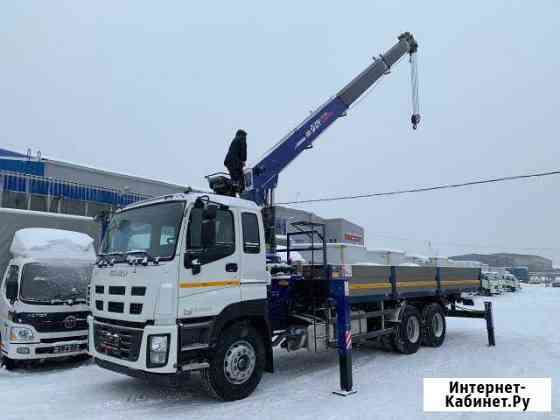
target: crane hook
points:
(415, 118)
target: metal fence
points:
(32, 192)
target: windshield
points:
(55, 282)
(151, 229)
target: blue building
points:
(35, 183)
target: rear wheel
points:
(408, 333)
(434, 328)
(237, 363)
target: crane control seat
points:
(222, 184)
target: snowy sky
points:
(157, 89)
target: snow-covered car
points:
(43, 308)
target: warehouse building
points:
(337, 230)
(35, 183)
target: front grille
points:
(116, 307)
(104, 300)
(135, 308)
(59, 339)
(54, 322)
(117, 290)
(119, 342)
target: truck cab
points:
(175, 277)
(43, 308)
(491, 283)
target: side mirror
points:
(208, 233)
(12, 290)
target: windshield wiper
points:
(36, 300)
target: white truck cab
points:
(43, 309)
(511, 283)
(173, 274)
(491, 283)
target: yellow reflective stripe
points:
(409, 284)
(223, 283)
(459, 282)
(431, 283)
(369, 286)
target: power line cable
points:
(424, 189)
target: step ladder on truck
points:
(181, 285)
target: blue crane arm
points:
(262, 178)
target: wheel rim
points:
(239, 362)
(413, 329)
(437, 325)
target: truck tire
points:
(388, 342)
(236, 363)
(434, 326)
(408, 333)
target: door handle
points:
(231, 268)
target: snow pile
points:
(52, 243)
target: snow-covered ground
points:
(389, 385)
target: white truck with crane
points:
(181, 282)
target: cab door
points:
(254, 277)
(209, 277)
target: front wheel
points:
(237, 363)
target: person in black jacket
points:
(235, 160)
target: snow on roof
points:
(409, 264)
(418, 256)
(52, 243)
(367, 263)
(387, 251)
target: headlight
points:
(158, 346)
(21, 334)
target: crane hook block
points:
(415, 120)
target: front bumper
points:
(55, 347)
(130, 359)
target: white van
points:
(43, 308)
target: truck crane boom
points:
(262, 178)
